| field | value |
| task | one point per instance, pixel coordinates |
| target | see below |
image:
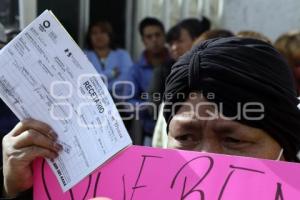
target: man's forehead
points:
(152, 29)
(191, 120)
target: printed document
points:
(45, 76)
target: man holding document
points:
(239, 99)
(46, 77)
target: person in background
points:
(111, 62)
(254, 35)
(188, 30)
(288, 45)
(180, 39)
(155, 55)
(7, 118)
(210, 34)
(157, 87)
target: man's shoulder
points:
(136, 67)
(121, 52)
(89, 52)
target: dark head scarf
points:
(241, 70)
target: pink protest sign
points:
(148, 173)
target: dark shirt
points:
(140, 75)
(7, 121)
(157, 84)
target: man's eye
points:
(186, 141)
(185, 138)
(232, 140)
(235, 143)
(157, 34)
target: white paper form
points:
(45, 76)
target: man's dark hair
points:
(173, 34)
(194, 26)
(150, 21)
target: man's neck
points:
(156, 59)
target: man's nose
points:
(154, 39)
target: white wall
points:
(28, 12)
(271, 17)
(169, 12)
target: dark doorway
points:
(67, 12)
(114, 11)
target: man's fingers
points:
(32, 137)
(33, 124)
(29, 154)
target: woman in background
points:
(111, 62)
(288, 44)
